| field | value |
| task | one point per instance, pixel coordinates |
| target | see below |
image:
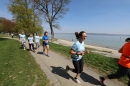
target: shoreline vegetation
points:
(102, 60)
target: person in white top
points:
(19, 35)
(37, 41)
(23, 40)
(12, 35)
(31, 42)
(77, 52)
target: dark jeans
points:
(78, 65)
(30, 46)
(122, 71)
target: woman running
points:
(19, 35)
(77, 51)
(31, 42)
(123, 64)
(37, 41)
(23, 40)
(45, 39)
(12, 35)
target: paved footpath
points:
(54, 67)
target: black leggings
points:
(122, 71)
(78, 65)
(30, 46)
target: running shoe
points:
(47, 55)
(101, 79)
(77, 81)
(67, 68)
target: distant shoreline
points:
(107, 47)
(114, 53)
(99, 34)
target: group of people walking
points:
(77, 52)
(35, 40)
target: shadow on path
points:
(39, 52)
(85, 77)
(90, 79)
(61, 72)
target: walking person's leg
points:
(44, 48)
(36, 45)
(122, 71)
(33, 47)
(128, 77)
(47, 47)
(29, 46)
(81, 64)
(76, 70)
(23, 44)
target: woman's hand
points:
(46, 41)
(80, 53)
(87, 51)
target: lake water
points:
(104, 40)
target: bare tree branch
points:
(52, 11)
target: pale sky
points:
(92, 16)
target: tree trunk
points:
(52, 33)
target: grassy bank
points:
(18, 67)
(4, 35)
(105, 65)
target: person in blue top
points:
(37, 39)
(23, 40)
(77, 51)
(45, 44)
(31, 42)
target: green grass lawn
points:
(3, 35)
(18, 67)
(104, 65)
